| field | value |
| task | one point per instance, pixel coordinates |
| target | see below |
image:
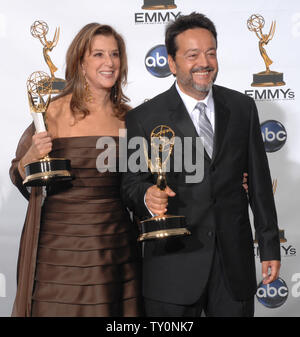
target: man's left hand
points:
(273, 274)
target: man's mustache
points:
(194, 70)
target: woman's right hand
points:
(41, 145)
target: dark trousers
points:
(216, 300)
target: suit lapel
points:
(179, 115)
(222, 115)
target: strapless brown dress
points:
(87, 258)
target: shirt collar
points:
(191, 102)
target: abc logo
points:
(274, 135)
(272, 295)
(156, 61)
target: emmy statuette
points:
(39, 29)
(267, 78)
(161, 226)
(46, 170)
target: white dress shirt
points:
(190, 104)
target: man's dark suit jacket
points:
(176, 270)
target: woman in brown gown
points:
(78, 253)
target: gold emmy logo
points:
(281, 231)
(39, 29)
(162, 139)
(158, 4)
(268, 77)
(274, 186)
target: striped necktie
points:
(206, 130)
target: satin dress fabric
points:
(87, 256)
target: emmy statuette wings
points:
(162, 140)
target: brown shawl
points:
(30, 233)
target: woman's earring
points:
(88, 95)
(114, 93)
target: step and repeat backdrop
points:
(250, 34)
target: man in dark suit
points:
(213, 269)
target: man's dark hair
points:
(183, 23)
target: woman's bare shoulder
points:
(59, 105)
